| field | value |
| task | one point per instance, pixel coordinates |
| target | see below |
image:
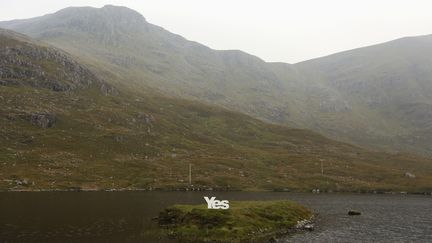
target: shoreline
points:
(246, 220)
(218, 190)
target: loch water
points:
(127, 216)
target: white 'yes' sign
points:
(212, 203)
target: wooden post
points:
(322, 167)
(190, 174)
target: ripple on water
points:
(126, 216)
(385, 218)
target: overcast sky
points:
(275, 30)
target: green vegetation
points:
(130, 139)
(377, 97)
(244, 221)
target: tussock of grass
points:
(243, 221)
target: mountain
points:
(122, 40)
(64, 126)
(389, 84)
(376, 97)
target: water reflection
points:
(127, 216)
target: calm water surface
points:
(126, 216)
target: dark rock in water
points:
(309, 227)
(353, 212)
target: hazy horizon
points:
(285, 31)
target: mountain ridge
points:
(308, 94)
(87, 139)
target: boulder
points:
(42, 119)
(354, 212)
(309, 227)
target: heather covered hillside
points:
(69, 125)
(376, 97)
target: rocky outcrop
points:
(306, 224)
(41, 119)
(108, 90)
(25, 63)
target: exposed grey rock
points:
(410, 175)
(309, 227)
(107, 89)
(306, 224)
(119, 138)
(42, 119)
(26, 63)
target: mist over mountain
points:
(154, 57)
(377, 97)
(389, 85)
(64, 127)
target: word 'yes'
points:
(212, 203)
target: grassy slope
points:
(389, 84)
(375, 97)
(131, 140)
(244, 221)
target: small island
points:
(244, 221)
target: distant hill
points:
(376, 97)
(64, 126)
(389, 85)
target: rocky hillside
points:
(32, 66)
(376, 97)
(24, 63)
(82, 137)
(121, 39)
